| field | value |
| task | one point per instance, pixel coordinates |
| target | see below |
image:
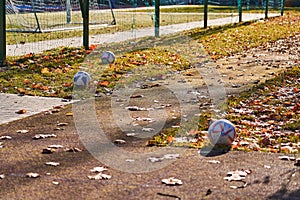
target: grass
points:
(61, 64)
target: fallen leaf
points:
(69, 114)
(52, 164)
(234, 177)
(73, 149)
(154, 159)
(58, 129)
(171, 181)
(55, 146)
(5, 137)
(98, 169)
(21, 91)
(45, 70)
(58, 107)
(48, 150)
(130, 134)
(62, 124)
(214, 161)
(43, 136)
(287, 158)
(22, 131)
(22, 111)
(56, 110)
(32, 175)
(237, 175)
(237, 187)
(136, 96)
(170, 139)
(170, 156)
(119, 141)
(99, 176)
(147, 129)
(103, 83)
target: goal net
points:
(55, 15)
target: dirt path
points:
(270, 177)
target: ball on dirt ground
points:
(221, 132)
(108, 57)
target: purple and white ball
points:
(82, 79)
(108, 57)
(221, 132)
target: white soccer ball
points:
(108, 57)
(221, 132)
(82, 79)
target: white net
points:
(52, 15)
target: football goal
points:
(55, 15)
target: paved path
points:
(12, 103)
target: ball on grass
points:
(108, 57)
(82, 79)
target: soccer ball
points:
(221, 132)
(81, 79)
(107, 57)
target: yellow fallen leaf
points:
(69, 114)
(44, 70)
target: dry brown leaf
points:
(73, 149)
(99, 176)
(48, 151)
(43, 136)
(22, 111)
(22, 131)
(55, 146)
(287, 158)
(62, 124)
(214, 161)
(55, 164)
(5, 137)
(98, 169)
(119, 141)
(171, 181)
(32, 175)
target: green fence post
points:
(205, 13)
(84, 6)
(240, 10)
(282, 7)
(68, 11)
(157, 5)
(2, 34)
(266, 9)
